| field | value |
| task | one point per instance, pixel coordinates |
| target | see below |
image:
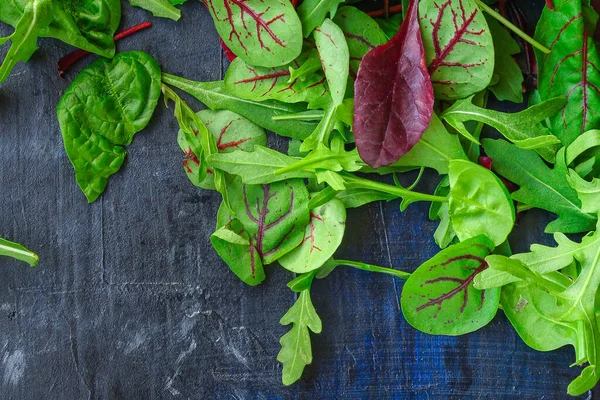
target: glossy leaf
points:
(540, 186)
(216, 97)
(158, 8)
(335, 58)
(572, 68)
(354, 198)
(105, 106)
(296, 350)
(444, 233)
(439, 297)
(312, 13)
(18, 252)
(234, 246)
(322, 237)
(262, 33)
(479, 203)
(458, 46)
(393, 96)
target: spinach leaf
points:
(265, 34)
(572, 68)
(335, 58)
(216, 97)
(540, 186)
(105, 106)
(439, 297)
(312, 13)
(458, 47)
(158, 8)
(18, 252)
(392, 87)
(296, 350)
(523, 128)
(479, 203)
(322, 238)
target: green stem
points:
(18, 252)
(354, 182)
(374, 268)
(511, 26)
(315, 115)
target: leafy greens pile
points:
(358, 97)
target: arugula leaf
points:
(335, 58)
(216, 97)
(439, 297)
(588, 192)
(158, 8)
(540, 186)
(105, 106)
(354, 198)
(328, 123)
(326, 159)
(296, 351)
(312, 13)
(18, 252)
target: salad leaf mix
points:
(362, 99)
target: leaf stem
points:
(315, 115)
(511, 26)
(380, 13)
(356, 182)
(374, 268)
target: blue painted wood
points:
(130, 302)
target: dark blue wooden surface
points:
(130, 301)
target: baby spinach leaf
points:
(230, 131)
(158, 8)
(234, 246)
(265, 34)
(391, 89)
(105, 106)
(312, 13)
(506, 69)
(216, 97)
(361, 32)
(335, 58)
(296, 350)
(261, 83)
(36, 16)
(18, 252)
(572, 68)
(439, 297)
(479, 203)
(540, 186)
(322, 238)
(273, 215)
(458, 46)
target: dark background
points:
(130, 301)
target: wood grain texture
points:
(130, 301)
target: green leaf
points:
(540, 186)
(520, 128)
(36, 16)
(588, 192)
(230, 132)
(311, 64)
(235, 248)
(458, 47)
(354, 198)
(265, 34)
(479, 203)
(296, 350)
(390, 25)
(274, 215)
(322, 237)
(326, 159)
(335, 58)
(312, 13)
(322, 132)
(216, 97)
(302, 282)
(261, 83)
(572, 68)
(444, 234)
(18, 252)
(439, 297)
(105, 106)
(158, 8)
(506, 69)
(258, 166)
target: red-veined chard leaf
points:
(262, 33)
(322, 237)
(230, 131)
(312, 13)
(458, 45)
(439, 297)
(362, 34)
(234, 246)
(572, 68)
(274, 215)
(335, 58)
(105, 106)
(393, 96)
(262, 83)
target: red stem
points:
(550, 4)
(380, 13)
(70, 59)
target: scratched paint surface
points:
(130, 302)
